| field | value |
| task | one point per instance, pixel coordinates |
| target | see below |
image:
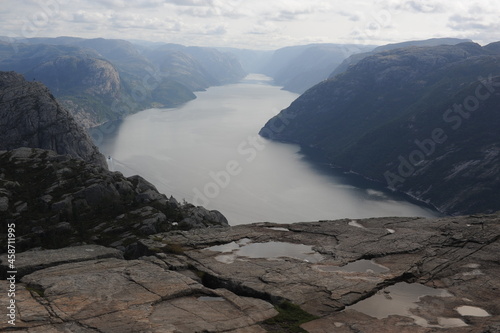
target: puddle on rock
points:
(466, 310)
(399, 299)
(269, 250)
(229, 247)
(450, 322)
(358, 266)
(356, 224)
(278, 228)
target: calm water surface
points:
(208, 152)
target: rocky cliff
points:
(31, 117)
(419, 275)
(56, 200)
(421, 120)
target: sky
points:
(254, 24)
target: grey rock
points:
(99, 205)
(4, 204)
(200, 217)
(21, 207)
(159, 292)
(31, 117)
(438, 252)
(31, 261)
(112, 295)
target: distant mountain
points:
(355, 58)
(31, 117)
(196, 67)
(252, 61)
(422, 120)
(297, 68)
(106, 79)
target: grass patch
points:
(173, 248)
(33, 290)
(289, 319)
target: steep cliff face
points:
(420, 120)
(86, 86)
(56, 200)
(31, 117)
(87, 75)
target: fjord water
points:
(208, 152)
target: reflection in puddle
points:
(356, 224)
(358, 266)
(450, 322)
(466, 310)
(399, 299)
(278, 228)
(269, 250)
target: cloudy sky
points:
(257, 24)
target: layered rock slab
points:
(31, 261)
(30, 116)
(457, 254)
(113, 295)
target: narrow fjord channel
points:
(208, 152)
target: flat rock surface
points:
(457, 254)
(227, 279)
(113, 295)
(30, 261)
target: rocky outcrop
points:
(455, 254)
(56, 200)
(31, 261)
(225, 279)
(112, 295)
(31, 117)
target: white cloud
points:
(354, 16)
(257, 23)
(263, 28)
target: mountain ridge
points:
(68, 64)
(373, 117)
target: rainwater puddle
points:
(399, 299)
(356, 224)
(466, 310)
(450, 322)
(278, 229)
(269, 250)
(358, 266)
